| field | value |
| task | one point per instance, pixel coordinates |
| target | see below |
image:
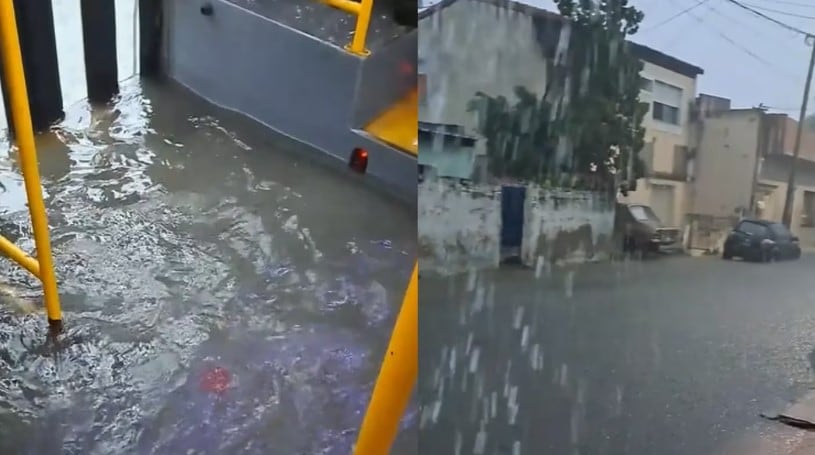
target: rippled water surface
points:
(222, 292)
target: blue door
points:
(512, 215)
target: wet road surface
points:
(174, 223)
(670, 356)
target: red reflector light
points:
(407, 68)
(359, 160)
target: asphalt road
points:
(668, 356)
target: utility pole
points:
(786, 217)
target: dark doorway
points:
(512, 220)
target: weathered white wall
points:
(566, 226)
(726, 162)
(509, 55)
(459, 227)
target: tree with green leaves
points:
(604, 120)
(600, 124)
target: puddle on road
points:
(206, 273)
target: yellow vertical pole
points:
(24, 136)
(396, 378)
(361, 30)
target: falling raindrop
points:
(519, 314)
(480, 443)
(539, 263)
(474, 360)
(569, 284)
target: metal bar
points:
(349, 6)
(99, 42)
(35, 26)
(21, 117)
(19, 256)
(361, 31)
(150, 35)
(396, 378)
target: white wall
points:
(460, 227)
(509, 55)
(566, 226)
(726, 162)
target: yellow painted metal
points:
(397, 377)
(24, 137)
(361, 31)
(361, 9)
(349, 6)
(399, 124)
(19, 256)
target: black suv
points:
(763, 241)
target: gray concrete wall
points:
(386, 77)
(289, 81)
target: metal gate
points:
(512, 217)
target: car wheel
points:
(727, 254)
(769, 256)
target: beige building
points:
(669, 88)
(743, 163)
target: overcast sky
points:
(746, 58)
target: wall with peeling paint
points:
(460, 226)
(566, 226)
(517, 47)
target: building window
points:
(665, 113)
(646, 85)
(666, 101)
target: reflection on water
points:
(183, 243)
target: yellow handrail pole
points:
(349, 6)
(19, 256)
(396, 378)
(24, 136)
(361, 31)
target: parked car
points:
(760, 240)
(641, 230)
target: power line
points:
(769, 18)
(787, 2)
(677, 15)
(783, 13)
(742, 48)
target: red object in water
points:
(215, 380)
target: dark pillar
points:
(99, 41)
(38, 45)
(150, 32)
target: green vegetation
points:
(582, 130)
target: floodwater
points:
(222, 292)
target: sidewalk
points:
(780, 439)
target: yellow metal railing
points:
(362, 10)
(43, 266)
(397, 376)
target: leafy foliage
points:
(591, 107)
